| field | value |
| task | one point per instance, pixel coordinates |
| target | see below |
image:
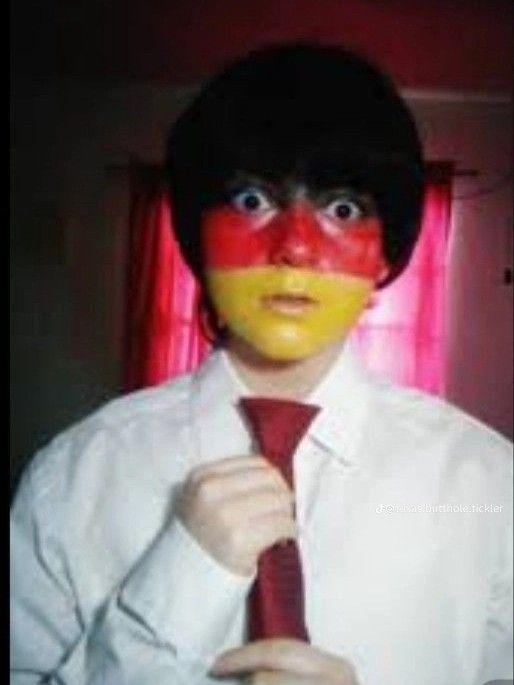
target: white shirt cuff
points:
(184, 595)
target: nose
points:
(296, 237)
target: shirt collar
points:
(343, 396)
(218, 429)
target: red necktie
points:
(276, 601)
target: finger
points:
(229, 464)
(232, 466)
(293, 656)
(269, 530)
(281, 678)
(254, 479)
(222, 486)
(260, 502)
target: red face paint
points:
(299, 236)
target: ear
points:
(383, 271)
(211, 325)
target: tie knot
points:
(278, 426)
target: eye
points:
(345, 209)
(251, 200)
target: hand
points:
(236, 508)
(281, 661)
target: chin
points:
(284, 349)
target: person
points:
(296, 179)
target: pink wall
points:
(476, 132)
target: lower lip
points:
(288, 304)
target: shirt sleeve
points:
(163, 623)
(498, 656)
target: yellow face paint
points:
(288, 313)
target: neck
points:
(284, 380)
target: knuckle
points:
(196, 474)
(207, 488)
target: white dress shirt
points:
(403, 510)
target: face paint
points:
(297, 236)
(290, 282)
(287, 313)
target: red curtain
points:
(162, 329)
(401, 335)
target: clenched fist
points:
(282, 661)
(236, 508)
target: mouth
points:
(291, 305)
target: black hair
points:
(321, 114)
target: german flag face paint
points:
(290, 280)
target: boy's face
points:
(290, 270)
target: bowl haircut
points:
(319, 115)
